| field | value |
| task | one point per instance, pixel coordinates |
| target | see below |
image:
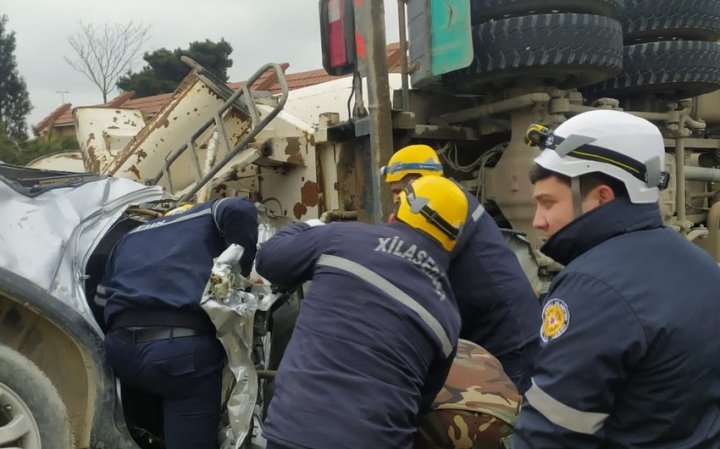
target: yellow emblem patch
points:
(556, 318)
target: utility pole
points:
(376, 201)
(62, 95)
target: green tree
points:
(14, 99)
(20, 153)
(165, 70)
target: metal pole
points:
(486, 110)
(680, 182)
(403, 55)
(713, 223)
(702, 174)
(375, 203)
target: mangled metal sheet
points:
(48, 238)
(103, 133)
(232, 311)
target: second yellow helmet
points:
(412, 160)
(436, 206)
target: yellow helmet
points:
(412, 160)
(436, 206)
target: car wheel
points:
(673, 69)
(484, 10)
(657, 20)
(564, 50)
(32, 415)
(283, 320)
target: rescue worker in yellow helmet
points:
(499, 309)
(478, 404)
(378, 328)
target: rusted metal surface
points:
(103, 133)
(310, 193)
(295, 190)
(299, 210)
(292, 167)
(293, 152)
(193, 105)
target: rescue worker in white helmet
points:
(378, 327)
(630, 347)
(498, 307)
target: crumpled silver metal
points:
(231, 301)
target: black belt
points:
(140, 334)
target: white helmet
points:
(618, 144)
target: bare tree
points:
(102, 54)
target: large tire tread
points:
(485, 10)
(673, 69)
(567, 50)
(654, 20)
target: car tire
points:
(485, 10)
(655, 20)
(32, 414)
(283, 323)
(564, 50)
(673, 69)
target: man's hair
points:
(588, 181)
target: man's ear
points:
(605, 193)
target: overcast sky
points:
(259, 31)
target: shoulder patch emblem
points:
(556, 317)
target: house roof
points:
(52, 118)
(149, 106)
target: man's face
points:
(398, 186)
(554, 204)
(554, 207)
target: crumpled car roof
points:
(50, 222)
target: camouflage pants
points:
(476, 407)
(460, 429)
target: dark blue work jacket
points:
(164, 265)
(631, 357)
(498, 307)
(374, 340)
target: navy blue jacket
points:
(165, 264)
(499, 309)
(632, 354)
(374, 340)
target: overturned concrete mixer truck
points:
(471, 76)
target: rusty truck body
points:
(474, 75)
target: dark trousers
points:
(518, 365)
(186, 372)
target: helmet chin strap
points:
(576, 196)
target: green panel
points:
(451, 30)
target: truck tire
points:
(564, 50)
(31, 411)
(655, 20)
(484, 10)
(675, 69)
